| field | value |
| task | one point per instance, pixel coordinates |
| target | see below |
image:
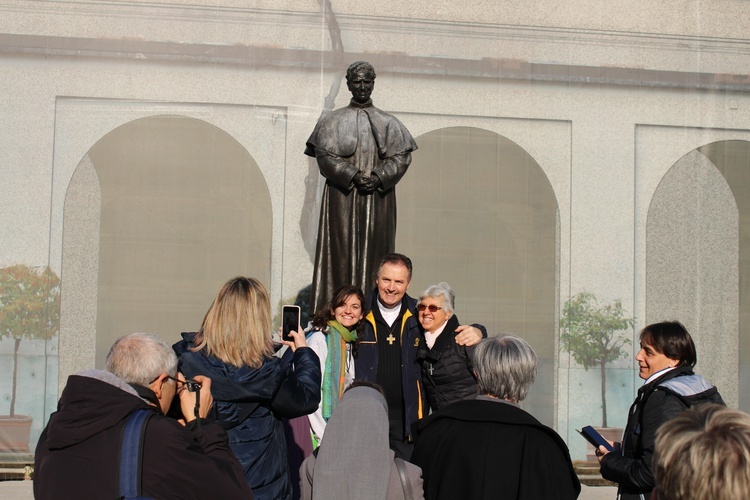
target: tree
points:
(591, 334)
(29, 309)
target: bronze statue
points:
(362, 152)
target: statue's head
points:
(360, 80)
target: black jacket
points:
(78, 452)
(658, 401)
(480, 449)
(250, 402)
(366, 363)
(447, 370)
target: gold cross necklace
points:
(390, 338)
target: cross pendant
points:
(390, 338)
(430, 368)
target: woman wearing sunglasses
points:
(447, 370)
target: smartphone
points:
(290, 318)
(593, 437)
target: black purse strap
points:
(405, 484)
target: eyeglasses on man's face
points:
(190, 384)
(432, 308)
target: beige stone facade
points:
(152, 150)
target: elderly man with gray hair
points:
(86, 450)
(489, 447)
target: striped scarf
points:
(334, 374)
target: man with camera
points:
(79, 452)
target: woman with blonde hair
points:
(252, 389)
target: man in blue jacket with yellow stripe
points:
(388, 348)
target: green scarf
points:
(334, 375)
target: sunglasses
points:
(432, 308)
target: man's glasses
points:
(191, 384)
(432, 308)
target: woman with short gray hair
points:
(528, 459)
(505, 368)
(447, 371)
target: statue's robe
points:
(355, 228)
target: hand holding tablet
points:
(593, 437)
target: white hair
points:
(444, 292)
(139, 358)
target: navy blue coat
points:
(366, 363)
(249, 404)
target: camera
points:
(175, 410)
(192, 385)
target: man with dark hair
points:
(362, 152)
(78, 455)
(388, 349)
(665, 362)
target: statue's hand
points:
(370, 184)
(359, 180)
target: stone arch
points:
(477, 211)
(159, 212)
(694, 256)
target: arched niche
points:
(695, 256)
(158, 214)
(475, 210)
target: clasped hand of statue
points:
(365, 183)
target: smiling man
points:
(387, 353)
(665, 361)
(362, 152)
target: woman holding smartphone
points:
(252, 389)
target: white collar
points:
(389, 315)
(430, 338)
(659, 374)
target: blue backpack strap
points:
(131, 452)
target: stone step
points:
(595, 481)
(588, 474)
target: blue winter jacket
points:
(249, 404)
